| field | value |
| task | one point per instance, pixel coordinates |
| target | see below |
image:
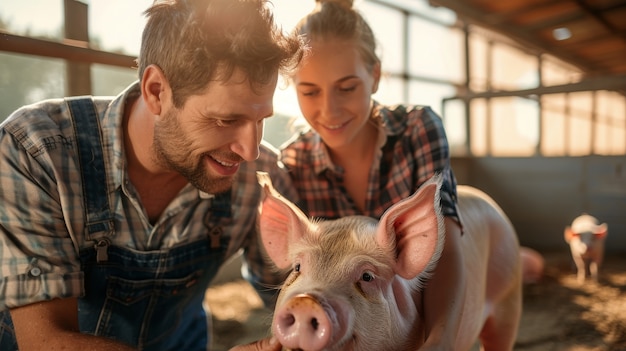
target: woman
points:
(360, 157)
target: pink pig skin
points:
(356, 283)
(532, 265)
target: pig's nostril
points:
(314, 323)
(288, 319)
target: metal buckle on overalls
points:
(102, 250)
(100, 233)
(215, 235)
(220, 210)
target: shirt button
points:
(35, 271)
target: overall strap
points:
(99, 218)
(220, 210)
(221, 205)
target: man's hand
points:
(268, 344)
(53, 325)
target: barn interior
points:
(532, 94)
(541, 192)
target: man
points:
(117, 213)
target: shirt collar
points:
(392, 118)
(113, 133)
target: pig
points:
(586, 237)
(356, 283)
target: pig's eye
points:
(367, 277)
(296, 267)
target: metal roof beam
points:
(611, 83)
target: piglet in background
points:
(586, 237)
(356, 283)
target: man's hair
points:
(197, 41)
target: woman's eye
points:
(367, 277)
(347, 89)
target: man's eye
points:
(226, 122)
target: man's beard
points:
(173, 150)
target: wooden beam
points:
(72, 50)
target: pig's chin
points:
(348, 345)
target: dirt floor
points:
(559, 314)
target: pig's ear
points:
(568, 234)
(602, 230)
(280, 222)
(415, 226)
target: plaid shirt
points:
(413, 147)
(42, 217)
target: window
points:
(422, 49)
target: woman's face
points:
(334, 88)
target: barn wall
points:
(542, 195)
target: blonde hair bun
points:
(344, 3)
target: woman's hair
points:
(336, 19)
(197, 41)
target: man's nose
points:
(248, 140)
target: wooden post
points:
(78, 74)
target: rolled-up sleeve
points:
(38, 259)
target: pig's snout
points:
(302, 323)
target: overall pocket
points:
(152, 300)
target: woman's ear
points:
(155, 89)
(376, 72)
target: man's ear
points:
(376, 72)
(155, 89)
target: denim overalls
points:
(148, 299)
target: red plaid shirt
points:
(413, 148)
